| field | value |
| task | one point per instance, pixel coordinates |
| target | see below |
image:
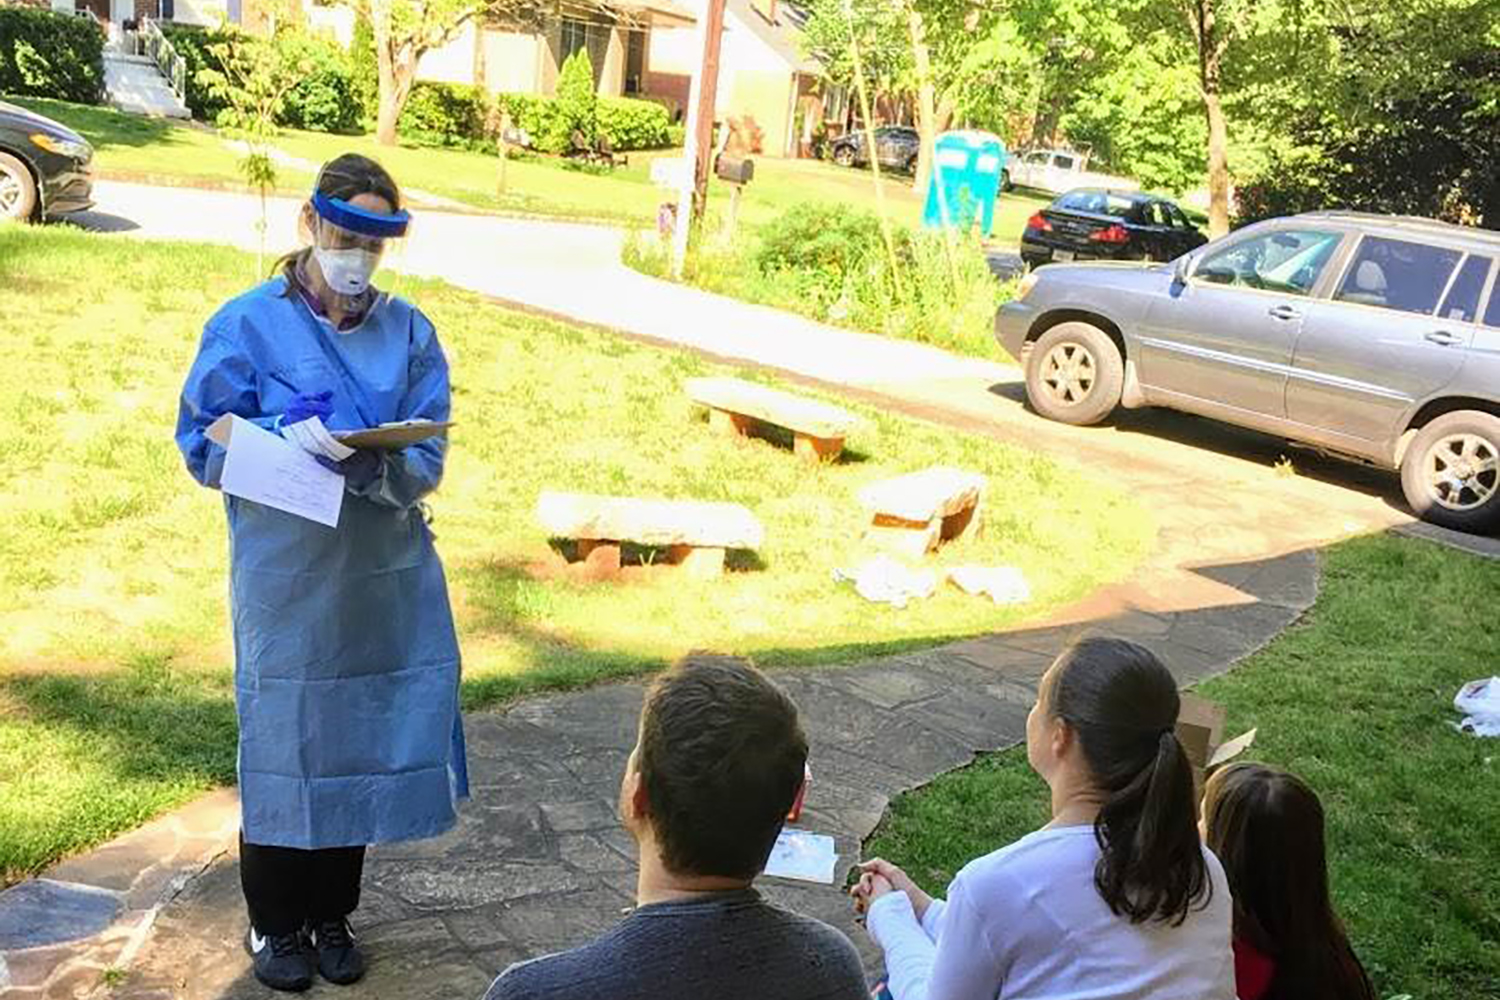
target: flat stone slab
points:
(773, 406)
(661, 523)
(42, 912)
(919, 497)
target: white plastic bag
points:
(1480, 702)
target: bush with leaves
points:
(447, 114)
(632, 124)
(577, 107)
(47, 54)
(325, 99)
(364, 68)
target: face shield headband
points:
(357, 220)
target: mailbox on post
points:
(734, 169)
(965, 181)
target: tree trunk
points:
(395, 88)
(926, 100)
(1211, 64)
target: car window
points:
(1462, 301)
(1036, 157)
(1063, 162)
(1289, 261)
(1492, 314)
(1398, 274)
(1153, 213)
(1076, 201)
(1179, 220)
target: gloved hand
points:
(359, 469)
(306, 405)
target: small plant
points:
(113, 978)
(577, 106)
(1284, 468)
(253, 80)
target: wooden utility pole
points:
(708, 92)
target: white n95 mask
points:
(348, 272)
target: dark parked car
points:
(1094, 224)
(895, 145)
(44, 166)
(1366, 336)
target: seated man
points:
(716, 767)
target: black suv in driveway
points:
(44, 166)
(896, 146)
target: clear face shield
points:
(350, 239)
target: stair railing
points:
(159, 49)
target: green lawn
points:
(160, 151)
(115, 692)
(1357, 699)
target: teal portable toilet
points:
(965, 181)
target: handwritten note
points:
(264, 468)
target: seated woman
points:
(1115, 898)
(1267, 827)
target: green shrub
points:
(446, 114)
(326, 99)
(577, 106)
(364, 69)
(531, 113)
(676, 136)
(194, 44)
(43, 54)
(632, 124)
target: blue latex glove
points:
(306, 405)
(359, 470)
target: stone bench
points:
(738, 407)
(695, 534)
(915, 513)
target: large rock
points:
(660, 523)
(772, 406)
(918, 497)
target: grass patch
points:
(1357, 699)
(115, 664)
(165, 152)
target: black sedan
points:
(44, 167)
(1094, 224)
(896, 146)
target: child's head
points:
(1266, 827)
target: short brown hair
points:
(721, 758)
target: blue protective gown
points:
(346, 660)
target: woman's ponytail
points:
(1123, 703)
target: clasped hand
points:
(879, 877)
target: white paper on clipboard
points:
(262, 467)
(804, 856)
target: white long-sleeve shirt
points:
(1027, 923)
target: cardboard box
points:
(1200, 730)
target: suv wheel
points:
(844, 156)
(1451, 472)
(1074, 374)
(17, 190)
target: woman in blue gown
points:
(346, 660)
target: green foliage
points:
(46, 54)
(577, 107)
(364, 67)
(326, 98)
(632, 124)
(195, 44)
(468, 117)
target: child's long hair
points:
(1266, 826)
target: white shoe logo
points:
(257, 943)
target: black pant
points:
(286, 887)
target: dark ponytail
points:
(1122, 704)
(343, 177)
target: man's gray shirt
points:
(727, 946)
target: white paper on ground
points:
(803, 855)
(262, 467)
(1003, 584)
(315, 439)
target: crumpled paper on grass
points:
(1480, 701)
(888, 581)
(1003, 584)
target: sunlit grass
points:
(115, 662)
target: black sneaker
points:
(281, 960)
(339, 959)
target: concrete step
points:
(139, 88)
(125, 58)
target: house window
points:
(575, 36)
(635, 62)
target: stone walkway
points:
(538, 861)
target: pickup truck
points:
(1057, 171)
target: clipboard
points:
(394, 436)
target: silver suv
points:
(1372, 337)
